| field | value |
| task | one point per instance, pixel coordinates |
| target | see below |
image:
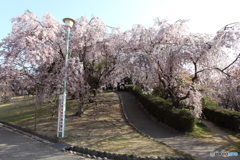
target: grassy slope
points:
(102, 126)
(228, 140)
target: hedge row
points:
(164, 111)
(218, 115)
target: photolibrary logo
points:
(212, 154)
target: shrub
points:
(218, 115)
(164, 111)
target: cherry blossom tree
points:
(6, 87)
(159, 56)
(36, 48)
(228, 66)
(95, 46)
(166, 55)
(228, 88)
(179, 62)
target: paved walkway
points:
(144, 123)
(16, 146)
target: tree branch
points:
(222, 70)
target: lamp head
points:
(68, 22)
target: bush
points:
(218, 115)
(164, 111)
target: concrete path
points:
(214, 128)
(144, 123)
(16, 146)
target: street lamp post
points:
(62, 99)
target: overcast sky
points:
(206, 15)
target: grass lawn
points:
(19, 111)
(102, 126)
(217, 136)
(200, 130)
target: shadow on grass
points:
(224, 138)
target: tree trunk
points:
(54, 105)
(175, 101)
(176, 104)
(80, 110)
(35, 118)
(73, 96)
(94, 92)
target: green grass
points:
(230, 141)
(21, 110)
(200, 130)
(18, 111)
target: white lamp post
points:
(62, 99)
